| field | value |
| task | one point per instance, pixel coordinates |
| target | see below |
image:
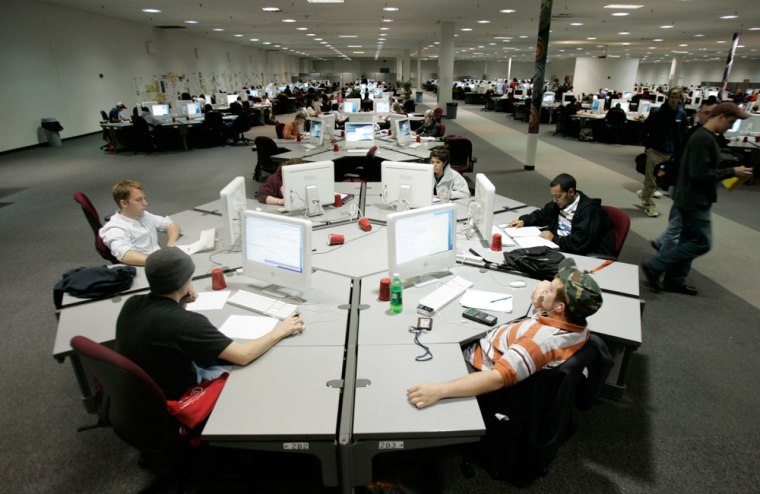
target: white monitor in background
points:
(388, 95)
(407, 185)
(548, 98)
(253, 92)
(159, 110)
(277, 251)
(309, 186)
(734, 130)
(749, 126)
(362, 117)
(231, 98)
(147, 104)
(233, 204)
(401, 129)
(712, 92)
(519, 93)
(316, 131)
(627, 95)
(597, 106)
(645, 106)
(625, 105)
(696, 100)
(359, 135)
(194, 109)
(567, 97)
(422, 241)
(483, 205)
(328, 129)
(381, 106)
(351, 105)
(660, 98)
(378, 92)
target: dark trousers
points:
(695, 240)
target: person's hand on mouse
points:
(293, 324)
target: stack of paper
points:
(206, 242)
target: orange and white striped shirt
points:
(521, 349)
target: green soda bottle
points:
(397, 288)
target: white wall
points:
(613, 73)
(52, 57)
(695, 73)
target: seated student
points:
(174, 345)
(513, 352)
(293, 129)
(114, 116)
(131, 233)
(574, 221)
(429, 127)
(447, 180)
(271, 191)
(150, 119)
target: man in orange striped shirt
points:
(511, 353)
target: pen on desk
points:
(602, 265)
(500, 299)
(475, 253)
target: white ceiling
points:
(698, 32)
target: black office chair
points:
(143, 138)
(93, 219)
(133, 404)
(409, 106)
(460, 154)
(542, 415)
(240, 126)
(265, 148)
(214, 129)
(614, 126)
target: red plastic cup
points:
(418, 138)
(336, 239)
(336, 148)
(385, 290)
(338, 201)
(217, 279)
(174, 119)
(298, 137)
(496, 242)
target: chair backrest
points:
(135, 405)
(441, 130)
(91, 214)
(213, 120)
(437, 114)
(460, 153)
(265, 148)
(409, 106)
(103, 116)
(621, 222)
(278, 128)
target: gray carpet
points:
(688, 422)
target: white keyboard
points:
(415, 144)
(262, 304)
(357, 150)
(309, 146)
(432, 303)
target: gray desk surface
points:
(364, 253)
(381, 409)
(326, 324)
(281, 395)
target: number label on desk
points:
(295, 446)
(390, 445)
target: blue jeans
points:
(669, 237)
(695, 240)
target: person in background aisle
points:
(695, 194)
(271, 191)
(664, 130)
(448, 183)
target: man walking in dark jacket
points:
(574, 221)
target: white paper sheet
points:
(206, 242)
(209, 301)
(248, 327)
(526, 242)
(526, 231)
(493, 301)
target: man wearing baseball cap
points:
(696, 191)
(161, 336)
(114, 116)
(514, 352)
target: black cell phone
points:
(424, 323)
(479, 316)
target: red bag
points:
(196, 404)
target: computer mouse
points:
(518, 284)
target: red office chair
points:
(94, 220)
(368, 171)
(278, 128)
(265, 148)
(622, 223)
(437, 114)
(441, 129)
(460, 151)
(135, 406)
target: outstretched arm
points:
(425, 395)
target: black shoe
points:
(653, 278)
(654, 245)
(676, 288)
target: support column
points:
(509, 70)
(729, 64)
(399, 68)
(542, 48)
(407, 73)
(445, 64)
(419, 67)
(675, 72)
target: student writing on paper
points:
(174, 345)
(514, 352)
(574, 221)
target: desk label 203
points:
(295, 446)
(390, 445)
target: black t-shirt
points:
(165, 339)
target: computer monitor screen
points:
(567, 97)
(597, 106)
(233, 204)
(645, 107)
(422, 241)
(277, 251)
(362, 117)
(627, 95)
(309, 186)
(351, 105)
(231, 98)
(387, 95)
(378, 92)
(624, 105)
(253, 92)
(159, 110)
(381, 106)
(328, 128)
(402, 130)
(407, 185)
(519, 93)
(548, 98)
(193, 108)
(316, 131)
(482, 209)
(359, 135)
(660, 98)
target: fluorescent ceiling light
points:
(191, 22)
(354, 46)
(507, 11)
(729, 16)
(271, 9)
(390, 9)
(238, 35)
(667, 26)
(466, 29)
(302, 29)
(348, 36)
(623, 33)
(253, 39)
(325, 1)
(218, 29)
(484, 22)
(151, 11)
(288, 20)
(623, 6)
(619, 14)
(576, 23)
(387, 20)
(267, 43)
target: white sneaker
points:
(652, 212)
(657, 194)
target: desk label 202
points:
(295, 446)
(390, 445)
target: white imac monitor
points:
(548, 98)
(402, 130)
(328, 128)
(189, 108)
(624, 104)
(519, 93)
(422, 241)
(253, 92)
(351, 105)
(148, 104)
(645, 106)
(482, 209)
(381, 106)
(660, 98)
(309, 186)
(277, 251)
(231, 98)
(566, 97)
(316, 131)
(359, 135)
(597, 106)
(362, 117)
(387, 95)
(159, 110)
(407, 185)
(233, 204)
(627, 95)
